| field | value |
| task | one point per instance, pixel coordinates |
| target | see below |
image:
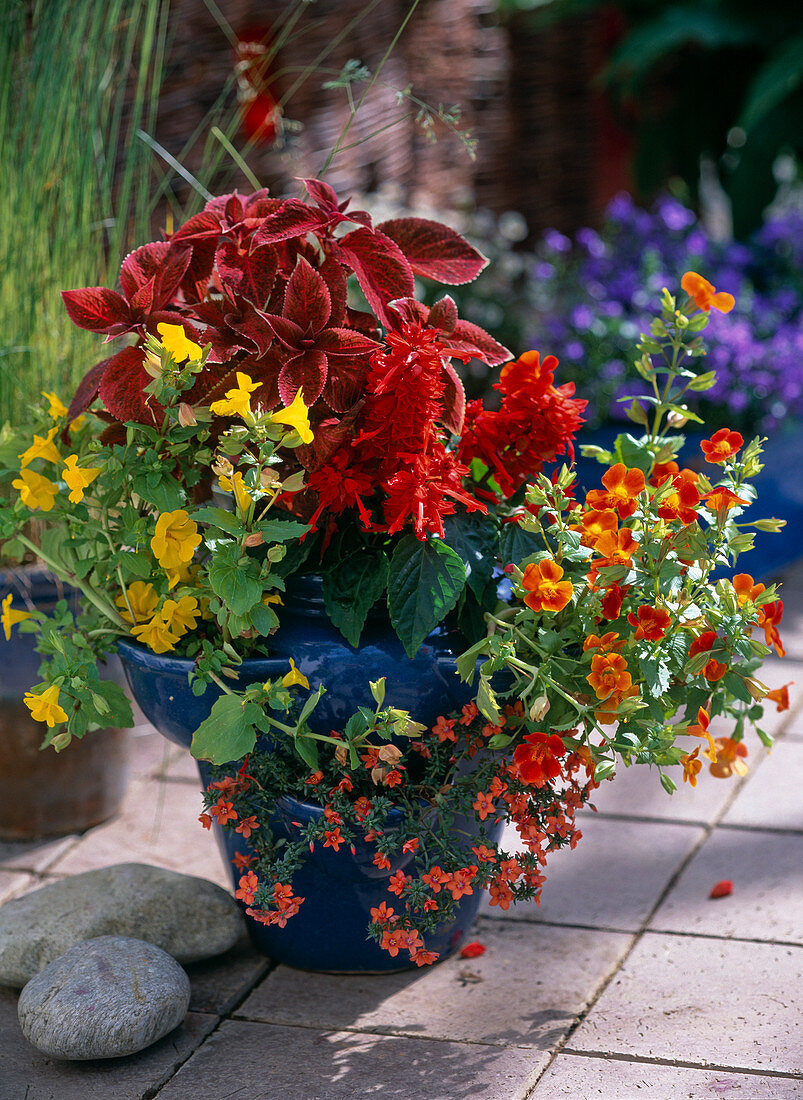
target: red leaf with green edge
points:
(454, 400)
(306, 299)
(381, 269)
(293, 219)
(308, 371)
(121, 388)
(248, 275)
(98, 310)
(434, 250)
(443, 315)
(87, 390)
(475, 340)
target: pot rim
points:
(139, 655)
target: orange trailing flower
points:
(769, 617)
(721, 446)
(537, 758)
(780, 696)
(714, 670)
(545, 589)
(681, 505)
(623, 487)
(730, 758)
(484, 805)
(615, 549)
(705, 295)
(662, 471)
(701, 730)
(596, 523)
(746, 589)
(609, 676)
(651, 623)
(608, 643)
(721, 500)
(691, 767)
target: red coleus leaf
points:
(443, 315)
(454, 400)
(293, 219)
(152, 274)
(306, 299)
(475, 340)
(307, 370)
(140, 266)
(722, 889)
(336, 212)
(473, 950)
(381, 269)
(97, 309)
(87, 389)
(121, 388)
(408, 309)
(248, 275)
(200, 227)
(434, 250)
(334, 276)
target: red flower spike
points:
(722, 889)
(473, 950)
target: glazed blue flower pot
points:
(340, 888)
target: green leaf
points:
(235, 579)
(773, 82)
(634, 453)
(220, 518)
(133, 564)
(656, 675)
(425, 580)
(228, 733)
(516, 544)
(351, 590)
(486, 701)
(473, 537)
(159, 489)
(307, 749)
(281, 530)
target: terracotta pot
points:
(44, 793)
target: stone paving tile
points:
(264, 1062)
(184, 768)
(767, 901)
(158, 824)
(637, 792)
(792, 625)
(708, 1002)
(150, 752)
(26, 1074)
(12, 883)
(579, 1077)
(525, 990)
(33, 855)
(218, 984)
(771, 796)
(612, 879)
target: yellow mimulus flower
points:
(273, 598)
(9, 617)
(178, 343)
(237, 401)
(142, 600)
(175, 540)
(57, 407)
(77, 477)
(296, 415)
(156, 634)
(42, 447)
(180, 615)
(295, 677)
(236, 485)
(35, 491)
(44, 706)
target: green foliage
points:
(425, 580)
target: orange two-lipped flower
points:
(623, 487)
(701, 730)
(651, 623)
(545, 589)
(608, 643)
(681, 505)
(730, 758)
(609, 675)
(721, 500)
(714, 670)
(746, 588)
(780, 696)
(616, 548)
(721, 446)
(705, 295)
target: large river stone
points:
(104, 998)
(188, 917)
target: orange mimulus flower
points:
(608, 643)
(730, 758)
(595, 523)
(616, 548)
(612, 601)
(701, 730)
(623, 487)
(705, 295)
(682, 504)
(691, 767)
(769, 617)
(714, 670)
(537, 758)
(662, 471)
(721, 446)
(651, 623)
(746, 589)
(545, 589)
(780, 696)
(609, 675)
(722, 499)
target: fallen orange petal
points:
(722, 889)
(472, 950)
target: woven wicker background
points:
(526, 97)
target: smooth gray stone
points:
(104, 998)
(188, 917)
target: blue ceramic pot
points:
(329, 933)
(426, 685)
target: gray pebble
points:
(188, 917)
(104, 998)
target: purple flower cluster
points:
(594, 295)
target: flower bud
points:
(256, 538)
(153, 365)
(676, 419)
(186, 417)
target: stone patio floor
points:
(628, 982)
